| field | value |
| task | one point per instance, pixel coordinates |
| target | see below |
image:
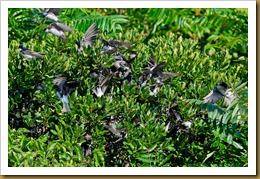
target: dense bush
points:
(204, 45)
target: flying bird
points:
(156, 71)
(58, 29)
(101, 89)
(132, 55)
(113, 45)
(88, 38)
(65, 88)
(27, 53)
(122, 69)
(221, 90)
(180, 125)
(51, 14)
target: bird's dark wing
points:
(119, 43)
(21, 47)
(175, 113)
(61, 26)
(213, 97)
(35, 54)
(106, 43)
(159, 67)
(54, 10)
(166, 75)
(112, 129)
(70, 86)
(147, 72)
(105, 82)
(132, 56)
(153, 69)
(90, 35)
(119, 57)
(153, 61)
(59, 79)
(122, 133)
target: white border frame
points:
(250, 170)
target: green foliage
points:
(211, 28)
(204, 45)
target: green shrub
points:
(197, 46)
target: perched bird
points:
(51, 14)
(221, 90)
(88, 38)
(113, 45)
(101, 89)
(65, 88)
(27, 53)
(58, 29)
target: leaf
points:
(67, 65)
(54, 132)
(208, 156)
(163, 163)
(170, 148)
(152, 148)
(240, 86)
(145, 160)
(17, 150)
(237, 145)
(226, 117)
(234, 113)
(229, 139)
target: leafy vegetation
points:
(204, 45)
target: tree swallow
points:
(88, 38)
(113, 45)
(156, 71)
(65, 88)
(111, 126)
(51, 14)
(117, 132)
(58, 29)
(101, 89)
(121, 57)
(221, 90)
(28, 53)
(180, 125)
(122, 69)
